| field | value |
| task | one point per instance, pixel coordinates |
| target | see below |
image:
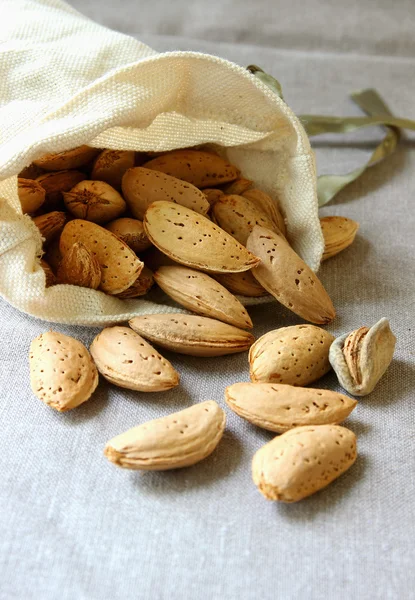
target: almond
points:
(339, 233)
(62, 372)
(296, 355)
(238, 187)
(279, 407)
(243, 284)
(193, 240)
(127, 360)
(94, 201)
(238, 216)
(190, 334)
(31, 172)
(79, 267)
(50, 224)
(141, 187)
(202, 169)
(50, 278)
(203, 295)
(110, 166)
(179, 440)
(268, 206)
(287, 277)
(68, 159)
(56, 183)
(141, 285)
(120, 267)
(131, 231)
(31, 195)
(212, 195)
(303, 461)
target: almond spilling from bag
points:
(278, 407)
(287, 277)
(31, 195)
(141, 187)
(296, 355)
(68, 159)
(179, 440)
(131, 231)
(94, 201)
(203, 295)
(120, 267)
(303, 461)
(140, 287)
(190, 334)
(338, 233)
(79, 267)
(360, 358)
(193, 240)
(127, 360)
(269, 207)
(202, 169)
(243, 284)
(111, 165)
(56, 183)
(238, 216)
(50, 224)
(62, 372)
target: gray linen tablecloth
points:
(73, 526)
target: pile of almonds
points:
(119, 222)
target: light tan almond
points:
(190, 334)
(31, 195)
(110, 166)
(212, 195)
(269, 206)
(243, 284)
(131, 231)
(361, 358)
(79, 267)
(50, 224)
(31, 172)
(140, 287)
(62, 372)
(127, 360)
(178, 440)
(202, 169)
(141, 187)
(120, 267)
(50, 278)
(68, 159)
(238, 187)
(238, 216)
(203, 295)
(94, 201)
(339, 233)
(296, 355)
(56, 183)
(287, 277)
(303, 461)
(193, 240)
(278, 407)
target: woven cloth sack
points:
(67, 81)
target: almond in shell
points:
(243, 284)
(62, 372)
(239, 186)
(296, 355)
(238, 216)
(131, 231)
(141, 285)
(110, 166)
(178, 440)
(94, 201)
(268, 206)
(287, 277)
(56, 183)
(31, 195)
(303, 461)
(191, 334)
(50, 224)
(79, 267)
(202, 169)
(193, 240)
(125, 359)
(120, 267)
(203, 295)
(141, 187)
(68, 159)
(278, 407)
(338, 233)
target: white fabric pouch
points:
(67, 81)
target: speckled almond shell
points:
(141, 187)
(243, 284)
(339, 233)
(31, 195)
(287, 277)
(202, 169)
(68, 159)
(191, 334)
(131, 231)
(239, 186)
(269, 206)
(303, 461)
(238, 216)
(193, 240)
(111, 165)
(296, 355)
(178, 440)
(203, 295)
(50, 224)
(95, 201)
(62, 372)
(278, 407)
(125, 359)
(119, 265)
(56, 183)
